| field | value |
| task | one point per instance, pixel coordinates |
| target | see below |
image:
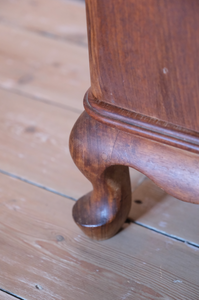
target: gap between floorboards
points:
(46, 34)
(190, 244)
(43, 100)
(36, 184)
(11, 294)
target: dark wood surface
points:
(38, 157)
(98, 149)
(35, 261)
(144, 57)
(140, 125)
(141, 109)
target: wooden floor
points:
(43, 255)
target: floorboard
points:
(34, 146)
(43, 68)
(53, 18)
(153, 208)
(50, 258)
(5, 296)
(43, 255)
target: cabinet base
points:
(103, 154)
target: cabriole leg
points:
(102, 212)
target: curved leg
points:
(102, 153)
(101, 213)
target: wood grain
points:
(51, 18)
(43, 255)
(144, 57)
(139, 124)
(137, 109)
(96, 147)
(43, 68)
(33, 156)
(4, 296)
(41, 246)
(152, 207)
(101, 213)
(34, 144)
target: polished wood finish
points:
(34, 156)
(43, 254)
(101, 213)
(144, 126)
(95, 147)
(144, 57)
(142, 106)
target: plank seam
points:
(188, 243)
(11, 294)
(43, 100)
(36, 184)
(174, 237)
(49, 35)
(45, 34)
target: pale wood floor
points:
(43, 255)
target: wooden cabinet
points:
(141, 109)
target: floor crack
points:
(11, 294)
(188, 243)
(174, 237)
(36, 184)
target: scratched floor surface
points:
(44, 74)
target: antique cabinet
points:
(141, 109)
